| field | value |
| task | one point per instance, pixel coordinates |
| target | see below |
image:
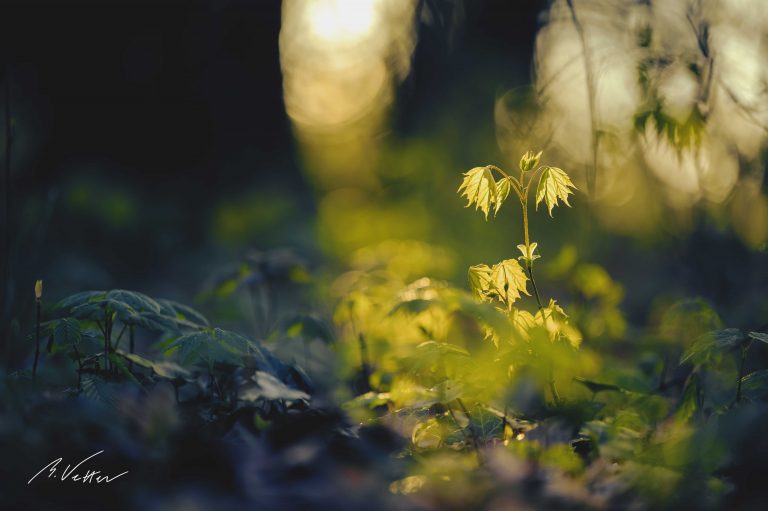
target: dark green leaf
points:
(184, 312)
(712, 344)
(120, 364)
(308, 327)
(67, 332)
(755, 385)
(80, 299)
(137, 301)
(758, 336)
(164, 369)
(88, 310)
(596, 387)
(269, 387)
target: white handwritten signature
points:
(90, 476)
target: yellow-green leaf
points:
(554, 319)
(509, 280)
(480, 189)
(554, 185)
(502, 187)
(528, 252)
(480, 279)
(529, 160)
(522, 320)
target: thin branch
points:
(744, 108)
(6, 275)
(591, 170)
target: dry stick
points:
(37, 336)
(592, 169)
(6, 276)
(744, 349)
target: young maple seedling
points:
(505, 281)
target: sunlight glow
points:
(679, 92)
(349, 21)
(341, 60)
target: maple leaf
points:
(480, 189)
(503, 187)
(554, 185)
(554, 319)
(480, 279)
(509, 280)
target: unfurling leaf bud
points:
(38, 289)
(528, 253)
(529, 160)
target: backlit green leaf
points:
(554, 185)
(480, 189)
(480, 279)
(529, 160)
(509, 280)
(502, 187)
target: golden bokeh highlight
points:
(341, 60)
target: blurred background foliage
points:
(290, 168)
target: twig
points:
(37, 337)
(6, 275)
(472, 433)
(744, 349)
(592, 169)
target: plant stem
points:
(528, 262)
(37, 337)
(475, 440)
(131, 341)
(744, 349)
(120, 336)
(469, 428)
(529, 267)
(553, 389)
(79, 367)
(107, 338)
(504, 425)
(365, 364)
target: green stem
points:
(528, 262)
(120, 336)
(79, 367)
(365, 365)
(472, 434)
(553, 389)
(504, 424)
(107, 338)
(529, 267)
